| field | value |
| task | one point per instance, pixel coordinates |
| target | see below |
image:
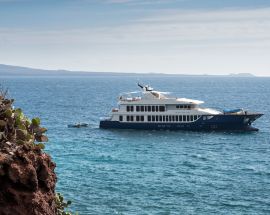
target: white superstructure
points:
(155, 106)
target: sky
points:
(154, 36)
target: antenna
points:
(141, 86)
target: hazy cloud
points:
(140, 2)
(224, 26)
(239, 40)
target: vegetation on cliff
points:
(27, 177)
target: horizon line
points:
(232, 74)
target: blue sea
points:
(151, 172)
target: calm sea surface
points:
(152, 172)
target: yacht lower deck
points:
(204, 123)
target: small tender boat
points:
(78, 125)
(156, 110)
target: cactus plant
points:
(17, 129)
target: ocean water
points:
(151, 172)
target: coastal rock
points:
(27, 177)
(27, 183)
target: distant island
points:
(241, 75)
(8, 70)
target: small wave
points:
(107, 138)
(109, 159)
(189, 164)
(235, 204)
(199, 156)
(256, 170)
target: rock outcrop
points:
(27, 177)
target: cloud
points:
(118, 1)
(139, 2)
(132, 2)
(239, 40)
(12, 1)
(224, 26)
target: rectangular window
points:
(142, 118)
(195, 117)
(128, 109)
(191, 118)
(131, 108)
(184, 118)
(188, 118)
(163, 118)
(180, 118)
(120, 118)
(188, 106)
(153, 109)
(153, 118)
(181, 106)
(176, 118)
(177, 106)
(170, 118)
(149, 108)
(157, 118)
(128, 118)
(138, 108)
(145, 108)
(131, 118)
(137, 118)
(142, 108)
(160, 118)
(173, 118)
(156, 108)
(149, 118)
(167, 118)
(161, 108)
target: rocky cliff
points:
(27, 177)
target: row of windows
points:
(183, 106)
(132, 118)
(172, 118)
(130, 108)
(161, 118)
(153, 108)
(148, 108)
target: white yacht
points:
(156, 110)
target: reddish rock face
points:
(27, 177)
(27, 181)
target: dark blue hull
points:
(205, 123)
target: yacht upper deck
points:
(150, 96)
